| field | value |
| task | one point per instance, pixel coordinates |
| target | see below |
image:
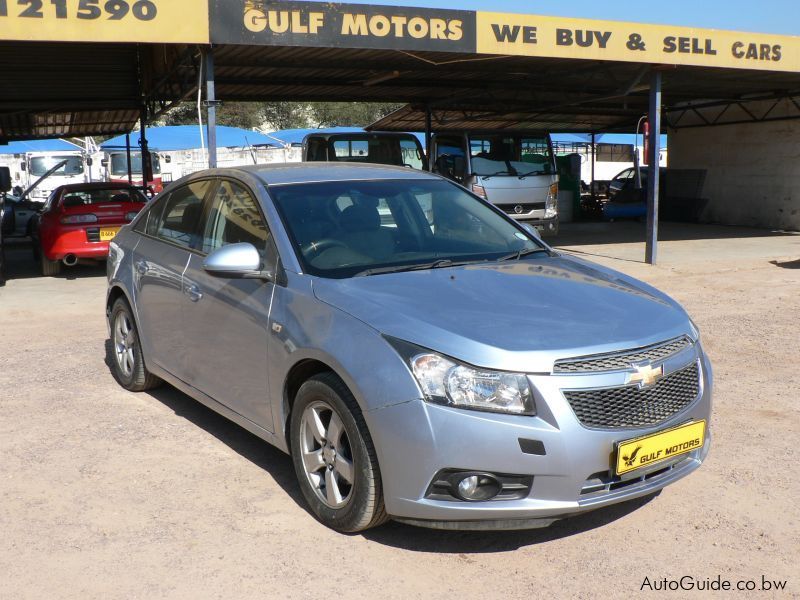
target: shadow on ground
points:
(20, 263)
(629, 232)
(407, 537)
(787, 264)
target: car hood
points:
(518, 315)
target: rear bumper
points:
(75, 242)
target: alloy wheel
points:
(124, 344)
(326, 454)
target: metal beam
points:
(211, 103)
(651, 250)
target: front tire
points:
(334, 458)
(127, 361)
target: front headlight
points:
(444, 381)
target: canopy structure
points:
(187, 137)
(86, 69)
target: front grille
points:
(93, 234)
(632, 406)
(522, 209)
(617, 361)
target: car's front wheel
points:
(334, 457)
(127, 361)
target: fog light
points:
(475, 488)
(468, 486)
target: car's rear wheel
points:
(50, 268)
(128, 362)
(334, 458)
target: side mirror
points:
(5, 179)
(532, 230)
(104, 162)
(89, 161)
(236, 261)
(23, 166)
(167, 158)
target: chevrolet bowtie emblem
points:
(646, 375)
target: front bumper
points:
(416, 440)
(545, 226)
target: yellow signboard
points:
(166, 21)
(557, 37)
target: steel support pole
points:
(651, 249)
(592, 186)
(428, 136)
(144, 149)
(128, 155)
(211, 103)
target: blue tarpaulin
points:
(38, 146)
(602, 138)
(187, 137)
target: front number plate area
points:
(664, 445)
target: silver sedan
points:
(420, 355)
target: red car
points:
(78, 221)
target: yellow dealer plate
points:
(652, 449)
(108, 233)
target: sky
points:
(770, 16)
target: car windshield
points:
(119, 163)
(101, 196)
(42, 164)
(504, 155)
(347, 228)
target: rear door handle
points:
(193, 292)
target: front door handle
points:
(194, 293)
(141, 267)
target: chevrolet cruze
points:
(421, 356)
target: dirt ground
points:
(109, 494)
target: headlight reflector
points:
(444, 381)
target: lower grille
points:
(522, 209)
(631, 406)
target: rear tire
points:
(127, 360)
(339, 477)
(50, 268)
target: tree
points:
(349, 114)
(283, 115)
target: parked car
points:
(18, 215)
(78, 221)
(625, 199)
(446, 370)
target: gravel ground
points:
(108, 494)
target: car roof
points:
(99, 185)
(316, 172)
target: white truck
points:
(515, 171)
(31, 166)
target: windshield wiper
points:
(437, 264)
(496, 174)
(524, 175)
(520, 253)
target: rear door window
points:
(179, 221)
